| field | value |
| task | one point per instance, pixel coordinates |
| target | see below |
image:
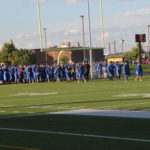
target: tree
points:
(23, 57)
(65, 59)
(12, 56)
(134, 53)
(6, 52)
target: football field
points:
(27, 122)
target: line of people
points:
(70, 72)
(117, 68)
(44, 73)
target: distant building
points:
(69, 44)
(74, 55)
(115, 58)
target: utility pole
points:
(83, 36)
(140, 50)
(114, 47)
(102, 24)
(45, 37)
(109, 47)
(122, 45)
(40, 30)
(90, 40)
(45, 45)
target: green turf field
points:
(38, 130)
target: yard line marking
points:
(16, 147)
(2, 111)
(133, 95)
(76, 134)
(34, 94)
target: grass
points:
(106, 126)
(97, 94)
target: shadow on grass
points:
(78, 102)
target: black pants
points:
(86, 76)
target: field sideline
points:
(26, 122)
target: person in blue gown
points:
(126, 71)
(118, 67)
(1, 74)
(110, 69)
(139, 71)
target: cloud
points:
(27, 36)
(141, 12)
(106, 35)
(30, 45)
(42, 1)
(72, 32)
(78, 1)
(74, 1)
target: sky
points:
(122, 20)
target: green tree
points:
(6, 52)
(23, 57)
(10, 55)
(134, 53)
(64, 59)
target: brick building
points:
(74, 55)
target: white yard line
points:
(76, 134)
(133, 95)
(34, 94)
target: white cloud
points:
(49, 44)
(72, 32)
(45, 1)
(141, 12)
(27, 36)
(106, 35)
(30, 45)
(74, 1)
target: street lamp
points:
(82, 17)
(45, 43)
(90, 40)
(40, 30)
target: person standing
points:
(1, 75)
(80, 73)
(139, 71)
(57, 74)
(110, 69)
(126, 71)
(118, 67)
(86, 71)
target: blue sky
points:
(122, 19)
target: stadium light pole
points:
(40, 30)
(83, 36)
(45, 43)
(90, 40)
(102, 24)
